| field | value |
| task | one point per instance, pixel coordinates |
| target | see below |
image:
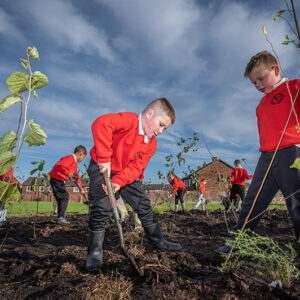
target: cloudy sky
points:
(104, 56)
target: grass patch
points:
(115, 286)
(25, 208)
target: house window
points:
(42, 188)
(75, 189)
(87, 189)
(50, 189)
(29, 189)
(220, 178)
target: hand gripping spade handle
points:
(115, 212)
(77, 184)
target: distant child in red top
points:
(3, 211)
(123, 145)
(63, 170)
(238, 178)
(179, 189)
(201, 193)
(272, 115)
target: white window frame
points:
(42, 188)
(75, 189)
(87, 189)
(50, 189)
(28, 188)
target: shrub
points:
(265, 256)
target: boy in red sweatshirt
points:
(179, 189)
(238, 177)
(201, 193)
(272, 114)
(63, 170)
(124, 144)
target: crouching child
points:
(123, 145)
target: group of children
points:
(125, 142)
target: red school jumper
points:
(202, 188)
(276, 106)
(117, 140)
(177, 184)
(239, 175)
(64, 167)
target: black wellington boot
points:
(95, 250)
(157, 240)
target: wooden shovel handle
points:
(110, 192)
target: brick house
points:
(72, 189)
(215, 173)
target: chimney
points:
(204, 164)
(214, 158)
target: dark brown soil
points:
(51, 266)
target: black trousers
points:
(282, 177)
(61, 195)
(179, 196)
(237, 189)
(100, 210)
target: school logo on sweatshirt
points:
(139, 154)
(276, 99)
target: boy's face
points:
(80, 156)
(265, 78)
(153, 125)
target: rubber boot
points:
(137, 223)
(95, 250)
(182, 206)
(176, 208)
(157, 240)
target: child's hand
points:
(82, 191)
(115, 187)
(71, 175)
(103, 167)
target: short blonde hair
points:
(162, 105)
(263, 57)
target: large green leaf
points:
(33, 52)
(3, 185)
(8, 141)
(9, 100)
(35, 136)
(17, 82)
(12, 191)
(7, 160)
(38, 80)
(296, 164)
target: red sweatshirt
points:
(117, 140)
(202, 187)
(238, 176)
(177, 184)
(272, 114)
(2, 177)
(64, 167)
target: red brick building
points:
(215, 173)
(30, 195)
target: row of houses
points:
(214, 172)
